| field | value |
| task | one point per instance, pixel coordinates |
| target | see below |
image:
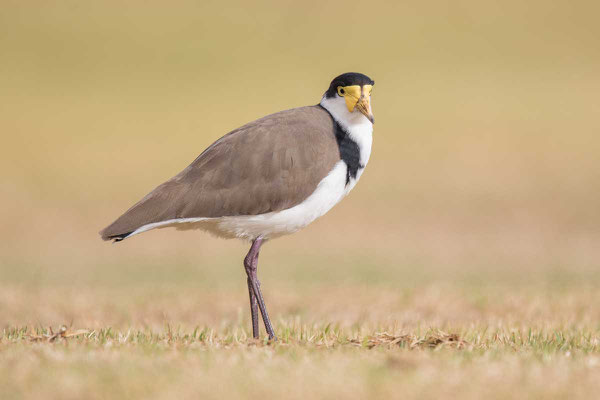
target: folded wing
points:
(271, 164)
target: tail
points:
(115, 238)
(159, 205)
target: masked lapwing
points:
(266, 179)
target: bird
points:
(266, 179)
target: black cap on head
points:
(347, 79)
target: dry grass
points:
(306, 361)
(464, 265)
(539, 342)
(352, 342)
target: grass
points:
(539, 342)
(295, 373)
(465, 264)
(352, 341)
(306, 361)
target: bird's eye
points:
(341, 91)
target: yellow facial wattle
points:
(359, 97)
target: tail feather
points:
(159, 205)
(116, 238)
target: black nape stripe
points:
(349, 152)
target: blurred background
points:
(484, 172)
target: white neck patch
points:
(358, 127)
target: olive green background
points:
(485, 154)
(478, 214)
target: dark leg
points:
(253, 311)
(251, 265)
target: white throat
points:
(358, 127)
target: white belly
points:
(329, 192)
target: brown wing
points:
(271, 164)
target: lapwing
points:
(269, 178)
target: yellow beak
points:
(359, 97)
(364, 106)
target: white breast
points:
(359, 128)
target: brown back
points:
(271, 164)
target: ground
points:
(186, 335)
(465, 264)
